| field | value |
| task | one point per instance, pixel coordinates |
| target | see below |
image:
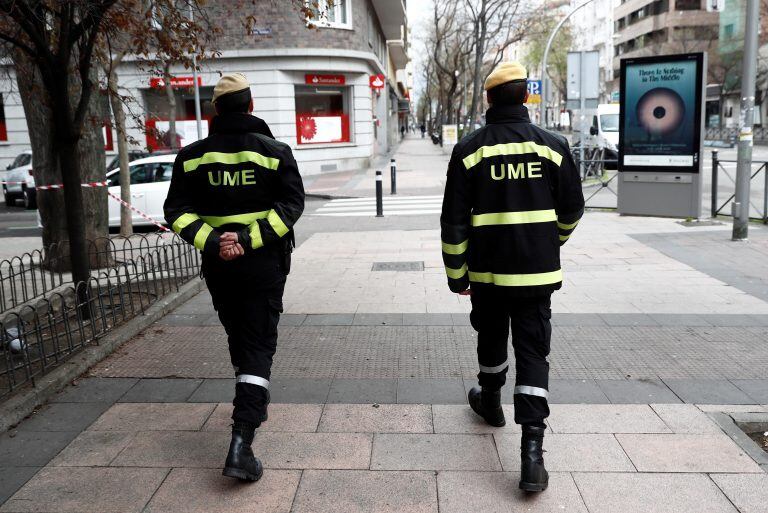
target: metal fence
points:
(598, 177)
(50, 318)
(758, 177)
(730, 134)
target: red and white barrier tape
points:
(61, 186)
(142, 214)
(58, 185)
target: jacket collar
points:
(235, 122)
(507, 114)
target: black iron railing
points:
(758, 177)
(45, 326)
(598, 175)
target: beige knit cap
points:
(229, 83)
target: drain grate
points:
(398, 266)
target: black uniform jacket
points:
(512, 198)
(237, 179)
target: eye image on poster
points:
(661, 113)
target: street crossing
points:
(393, 206)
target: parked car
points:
(132, 155)
(605, 132)
(150, 180)
(20, 181)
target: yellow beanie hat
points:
(505, 72)
(229, 83)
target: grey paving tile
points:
(93, 449)
(357, 391)
(629, 319)
(187, 490)
(685, 418)
(195, 308)
(497, 492)
(377, 319)
(605, 418)
(427, 319)
(708, 391)
(299, 390)
(87, 490)
(431, 391)
(357, 491)
(578, 391)
(292, 319)
(606, 492)
(154, 417)
(730, 320)
(569, 453)
(460, 319)
(64, 417)
(95, 390)
(575, 319)
(623, 391)
(686, 453)
(175, 319)
(13, 478)
(680, 319)
(759, 320)
(757, 389)
(376, 418)
(161, 391)
(32, 449)
(748, 492)
(434, 452)
(214, 391)
(329, 320)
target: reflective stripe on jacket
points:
(512, 198)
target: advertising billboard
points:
(660, 113)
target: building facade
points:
(330, 89)
(592, 29)
(657, 27)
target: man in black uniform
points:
(236, 195)
(512, 198)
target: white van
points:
(605, 132)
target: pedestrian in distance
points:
(512, 198)
(423, 130)
(402, 132)
(236, 195)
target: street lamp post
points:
(198, 115)
(544, 80)
(744, 159)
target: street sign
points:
(615, 96)
(534, 91)
(583, 75)
(450, 135)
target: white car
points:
(150, 180)
(20, 181)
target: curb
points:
(21, 404)
(328, 196)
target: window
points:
(163, 172)
(141, 174)
(687, 5)
(728, 31)
(331, 13)
(3, 128)
(157, 113)
(322, 114)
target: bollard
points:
(393, 176)
(714, 183)
(379, 196)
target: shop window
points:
(158, 112)
(331, 13)
(3, 128)
(322, 114)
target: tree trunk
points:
(126, 221)
(477, 77)
(171, 107)
(60, 159)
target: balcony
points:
(391, 14)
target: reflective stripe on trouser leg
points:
(531, 334)
(491, 321)
(253, 380)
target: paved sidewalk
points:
(421, 168)
(166, 457)
(659, 344)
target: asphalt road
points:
(18, 222)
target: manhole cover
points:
(398, 266)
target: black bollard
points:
(393, 176)
(714, 183)
(379, 196)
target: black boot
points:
(487, 404)
(241, 463)
(533, 475)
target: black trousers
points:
(492, 315)
(250, 317)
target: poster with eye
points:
(660, 113)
